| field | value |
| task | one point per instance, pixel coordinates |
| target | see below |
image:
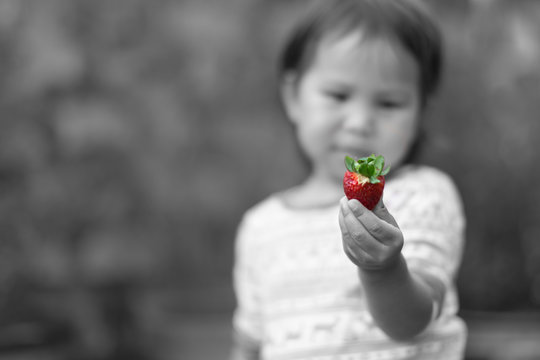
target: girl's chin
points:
(352, 152)
(332, 173)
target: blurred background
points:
(130, 132)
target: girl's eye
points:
(389, 104)
(338, 96)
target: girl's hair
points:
(405, 22)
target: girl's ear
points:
(289, 96)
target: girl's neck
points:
(314, 192)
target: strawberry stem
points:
(371, 167)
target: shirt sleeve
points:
(247, 315)
(433, 227)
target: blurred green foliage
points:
(130, 131)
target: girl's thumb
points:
(382, 213)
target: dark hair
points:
(405, 22)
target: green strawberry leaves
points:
(371, 167)
(350, 163)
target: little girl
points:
(321, 278)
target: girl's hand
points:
(371, 239)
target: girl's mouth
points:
(354, 151)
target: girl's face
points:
(359, 96)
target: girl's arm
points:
(402, 303)
(246, 321)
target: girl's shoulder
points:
(268, 205)
(423, 177)
(422, 189)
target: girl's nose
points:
(359, 119)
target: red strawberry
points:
(364, 179)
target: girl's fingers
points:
(381, 228)
(355, 234)
(357, 256)
(352, 249)
(382, 212)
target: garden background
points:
(132, 133)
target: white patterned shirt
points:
(300, 297)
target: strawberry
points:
(364, 179)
